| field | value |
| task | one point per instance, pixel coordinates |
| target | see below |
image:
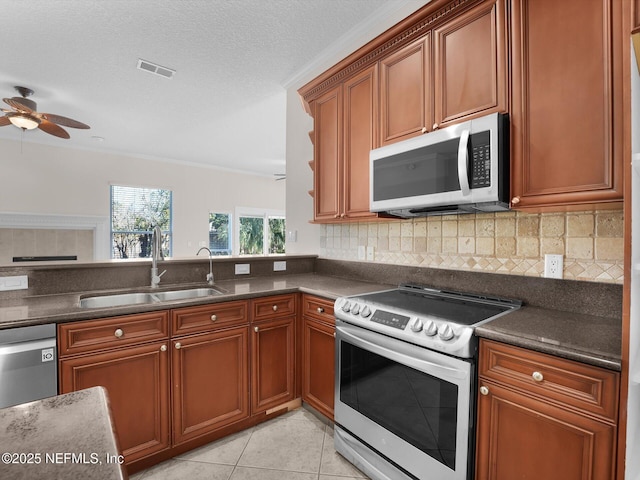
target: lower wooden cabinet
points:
(318, 354)
(272, 363)
(544, 417)
(137, 383)
(210, 376)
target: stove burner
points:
(440, 320)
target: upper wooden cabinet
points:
(567, 109)
(456, 71)
(344, 133)
(405, 92)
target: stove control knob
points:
(445, 332)
(346, 306)
(365, 312)
(416, 325)
(430, 328)
(355, 309)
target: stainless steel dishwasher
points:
(28, 364)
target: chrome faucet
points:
(156, 251)
(210, 274)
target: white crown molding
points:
(378, 22)
(99, 225)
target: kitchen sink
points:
(121, 299)
(183, 294)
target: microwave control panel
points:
(480, 160)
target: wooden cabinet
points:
(318, 354)
(272, 353)
(456, 71)
(567, 103)
(210, 368)
(344, 134)
(544, 417)
(112, 353)
(406, 92)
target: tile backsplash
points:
(506, 242)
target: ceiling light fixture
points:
(23, 121)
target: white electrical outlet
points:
(15, 282)
(280, 266)
(553, 265)
(370, 253)
(243, 268)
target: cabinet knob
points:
(256, 329)
(320, 310)
(435, 126)
(163, 348)
(484, 390)
(214, 317)
(342, 215)
(515, 200)
(537, 376)
(118, 333)
(334, 334)
(275, 308)
(337, 215)
(178, 346)
(424, 129)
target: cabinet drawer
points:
(208, 317)
(272, 307)
(106, 333)
(588, 388)
(319, 308)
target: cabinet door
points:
(327, 154)
(470, 65)
(360, 136)
(318, 382)
(528, 439)
(405, 92)
(567, 110)
(272, 363)
(137, 383)
(210, 382)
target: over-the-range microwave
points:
(463, 168)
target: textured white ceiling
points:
(225, 105)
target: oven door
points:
(408, 403)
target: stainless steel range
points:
(405, 380)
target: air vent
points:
(155, 69)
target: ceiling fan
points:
(23, 115)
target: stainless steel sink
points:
(105, 301)
(183, 294)
(117, 300)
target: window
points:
(259, 232)
(220, 233)
(134, 213)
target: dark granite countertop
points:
(590, 339)
(584, 338)
(70, 436)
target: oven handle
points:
(405, 353)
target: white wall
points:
(56, 180)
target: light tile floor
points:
(294, 446)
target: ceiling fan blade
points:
(21, 104)
(4, 121)
(53, 129)
(67, 122)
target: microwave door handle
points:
(463, 163)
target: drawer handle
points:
(214, 317)
(256, 329)
(515, 200)
(484, 390)
(178, 346)
(320, 310)
(118, 333)
(275, 308)
(424, 129)
(163, 348)
(537, 376)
